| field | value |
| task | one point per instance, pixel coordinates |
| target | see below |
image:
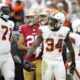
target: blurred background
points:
(71, 9)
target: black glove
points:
(29, 66)
(72, 67)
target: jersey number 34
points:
(51, 46)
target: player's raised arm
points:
(36, 43)
(69, 45)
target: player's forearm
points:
(72, 56)
(71, 50)
(22, 47)
(31, 51)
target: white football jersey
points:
(76, 44)
(5, 35)
(53, 42)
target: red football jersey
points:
(30, 34)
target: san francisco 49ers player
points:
(6, 26)
(75, 37)
(28, 33)
(44, 15)
(53, 37)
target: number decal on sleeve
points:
(5, 32)
(51, 46)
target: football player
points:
(53, 36)
(28, 33)
(44, 15)
(6, 26)
(75, 37)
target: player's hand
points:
(72, 68)
(29, 66)
(66, 64)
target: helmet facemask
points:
(44, 19)
(30, 20)
(54, 24)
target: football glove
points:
(72, 67)
(29, 66)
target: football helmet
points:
(4, 11)
(76, 26)
(44, 13)
(56, 20)
(32, 17)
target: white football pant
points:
(7, 66)
(50, 68)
